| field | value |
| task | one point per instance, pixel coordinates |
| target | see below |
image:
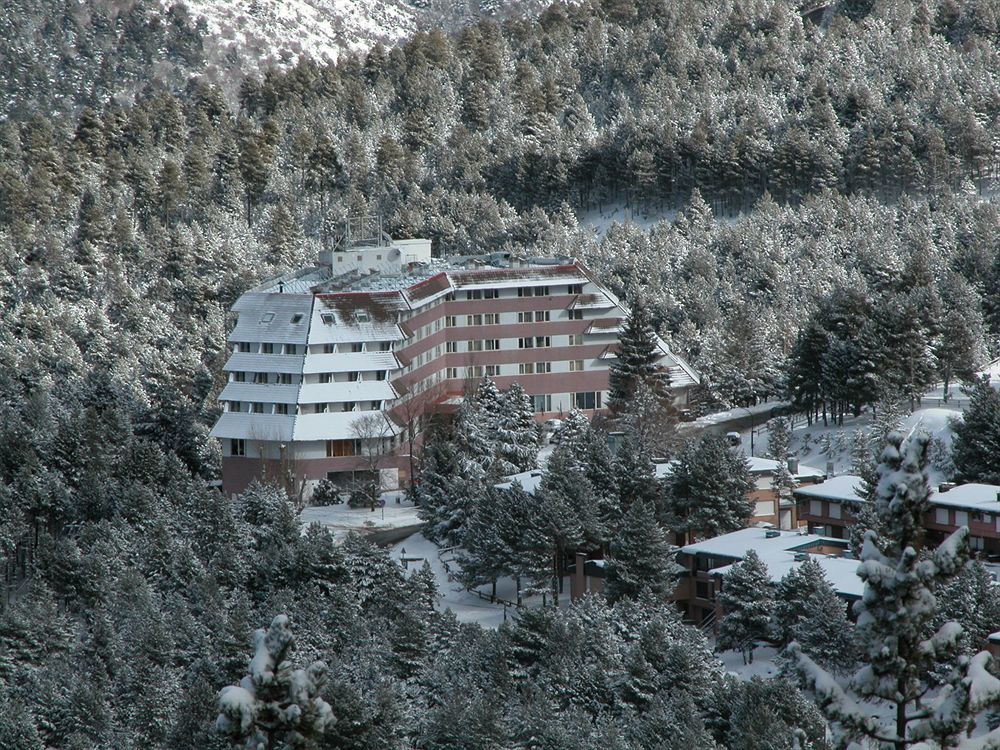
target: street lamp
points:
(750, 414)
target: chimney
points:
(945, 486)
(281, 287)
(830, 471)
(793, 465)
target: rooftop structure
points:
(335, 367)
(831, 508)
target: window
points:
(703, 590)
(361, 316)
(526, 368)
(353, 377)
(526, 317)
(450, 321)
(542, 367)
(267, 348)
(576, 314)
(576, 339)
(292, 349)
(256, 408)
(327, 348)
(474, 372)
(491, 319)
(473, 320)
(340, 258)
(588, 400)
(285, 378)
(281, 408)
(451, 347)
(348, 406)
(244, 347)
(237, 447)
(491, 293)
(526, 343)
(380, 374)
(239, 377)
(235, 406)
(267, 317)
(296, 319)
(492, 345)
(492, 370)
(576, 365)
(541, 341)
(356, 347)
(574, 289)
(475, 345)
(336, 448)
(385, 346)
(327, 318)
(542, 403)
(533, 291)
(474, 294)
(451, 373)
(326, 377)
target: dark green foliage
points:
(976, 447)
(707, 490)
(642, 560)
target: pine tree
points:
(976, 447)
(791, 594)
(638, 359)
(779, 439)
(824, 633)
(275, 706)
(747, 604)
(516, 446)
(641, 561)
(707, 490)
(899, 649)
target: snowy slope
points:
(279, 32)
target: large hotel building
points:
(334, 368)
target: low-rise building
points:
(770, 506)
(706, 563)
(831, 508)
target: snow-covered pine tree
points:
(790, 597)
(275, 706)
(779, 439)
(444, 502)
(747, 604)
(650, 418)
(571, 487)
(707, 490)
(634, 474)
(642, 559)
(899, 648)
(573, 433)
(516, 445)
(824, 633)
(638, 359)
(976, 448)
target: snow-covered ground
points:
(467, 606)
(620, 213)
(817, 444)
(342, 519)
(764, 664)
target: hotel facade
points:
(335, 368)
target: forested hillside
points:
(823, 171)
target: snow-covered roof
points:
(530, 481)
(767, 466)
(981, 497)
(777, 549)
(840, 489)
(285, 428)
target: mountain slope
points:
(278, 32)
